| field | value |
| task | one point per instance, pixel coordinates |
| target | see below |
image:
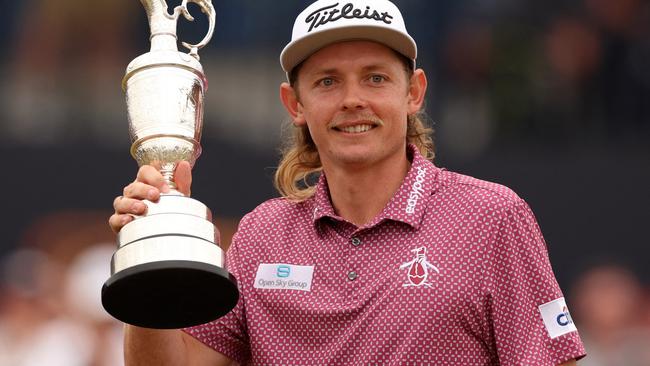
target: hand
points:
(148, 185)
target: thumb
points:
(183, 178)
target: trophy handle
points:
(207, 9)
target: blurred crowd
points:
(50, 293)
(50, 305)
(501, 72)
(568, 73)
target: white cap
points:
(328, 21)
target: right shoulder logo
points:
(556, 318)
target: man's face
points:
(355, 98)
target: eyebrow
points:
(372, 67)
(327, 71)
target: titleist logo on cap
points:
(331, 13)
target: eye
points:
(326, 82)
(377, 78)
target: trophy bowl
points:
(168, 270)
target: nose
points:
(353, 98)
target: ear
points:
(417, 91)
(291, 104)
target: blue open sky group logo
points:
(283, 271)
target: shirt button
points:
(356, 241)
(352, 275)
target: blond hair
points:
(300, 160)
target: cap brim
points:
(297, 51)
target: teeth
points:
(356, 128)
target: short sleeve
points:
(518, 280)
(228, 334)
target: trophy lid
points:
(164, 50)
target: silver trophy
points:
(168, 270)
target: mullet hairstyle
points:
(300, 162)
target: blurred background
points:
(549, 98)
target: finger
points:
(141, 191)
(151, 176)
(124, 205)
(183, 177)
(117, 222)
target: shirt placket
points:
(349, 242)
(357, 271)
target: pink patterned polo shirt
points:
(454, 271)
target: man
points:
(387, 259)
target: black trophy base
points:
(170, 294)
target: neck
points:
(360, 193)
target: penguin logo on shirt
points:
(418, 269)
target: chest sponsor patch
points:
(281, 276)
(557, 318)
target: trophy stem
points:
(167, 171)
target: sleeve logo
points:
(557, 318)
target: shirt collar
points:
(322, 202)
(407, 205)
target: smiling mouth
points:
(355, 128)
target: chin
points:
(355, 157)
(354, 160)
